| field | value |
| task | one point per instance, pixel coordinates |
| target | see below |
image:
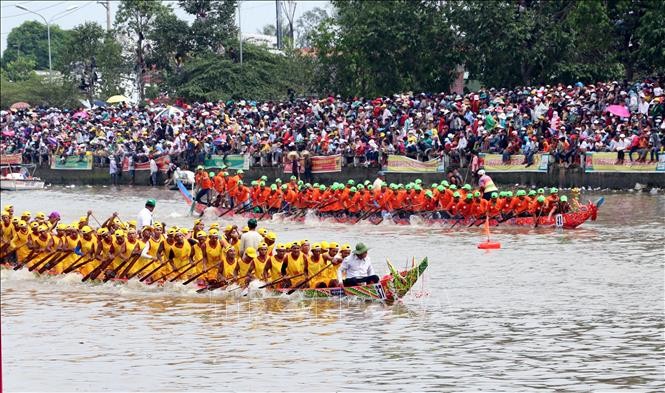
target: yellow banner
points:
(607, 162)
(494, 163)
(402, 164)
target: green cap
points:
(521, 193)
(278, 180)
(151, 202)
(293, 178)
(353, 189)
(554, 190)
(466, 187)
(361, 187)
(541, 191)
(445, 183)
(434, 185)
(532, 192)
(429, 194)
(456, 194)
(350, 182)
(418, 181)
(273, 187)
(441, 188)
(370, 187)
(469, 196)
(495, 195)
(285, 187)
(211, 174)
(240, 171)
(476, 194)
(264, 178)
(541, 199)
(418, 187)
(453, 187)
(564, 198)
(322, 187)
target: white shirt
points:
(355, 267)
(144, 218)
(250, 239)
(153, 166)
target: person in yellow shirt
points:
(198, 255)
(261, 262)
(229, 265)
(88, 248)
(245, 267)
(274, 265)
(294, 265)
(20, 242)
(315, 264)
(214, 251)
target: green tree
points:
(651, 35)
(136, 20)
(20, 69)
(30, 39)
(170, 42)
(93, 60)
(307, 24)
(214, 24)
(374, 48)
(263, 75)
(268, 29)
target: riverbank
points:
(557, 177)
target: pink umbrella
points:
(618, 110)
(81, 114)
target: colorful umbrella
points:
(116, 99)
(80, 115)
(618, 110)
(99, 103)
(20, 105)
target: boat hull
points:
(21, 184)
(567, 221)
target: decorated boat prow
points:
(393, 286)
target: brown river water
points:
(572, 310)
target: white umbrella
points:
(171, 110)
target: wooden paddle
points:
(148, 263)
(191, 265)
(153, 271)
(170, 259)
(96, 271)
(28, 259)
(457, 221)
(280, 280)
(129, 266)
(46, 259)
(200, 274)
(302, 284)
(54, 262)
(75, 265)
(11, 251)
(114, 272)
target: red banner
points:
(10, 159)
(162, 164)
(320, 164)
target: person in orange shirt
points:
(552, 200)
(479, 205)
(519, 206)
(538, 208)
(451, 208)
(353, 203)
(494, 206)
(204, 183)
(219, 185)
(465, 207)
(274, 199)
(241, 196)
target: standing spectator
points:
(154, 171)
(132, 168)
(308, 167)
(113, 170)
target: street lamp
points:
(48, 29)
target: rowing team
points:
(445, 200)
(119, 251)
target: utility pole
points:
(278, 24)
(240, 32)
(107, 4)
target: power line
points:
(39, 10)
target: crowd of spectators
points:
(565, 121)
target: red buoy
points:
(489, 245)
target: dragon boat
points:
(392, 286)
(567, 220)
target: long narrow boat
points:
(392, 286)
(568, 220)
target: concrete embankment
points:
(557, 177)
